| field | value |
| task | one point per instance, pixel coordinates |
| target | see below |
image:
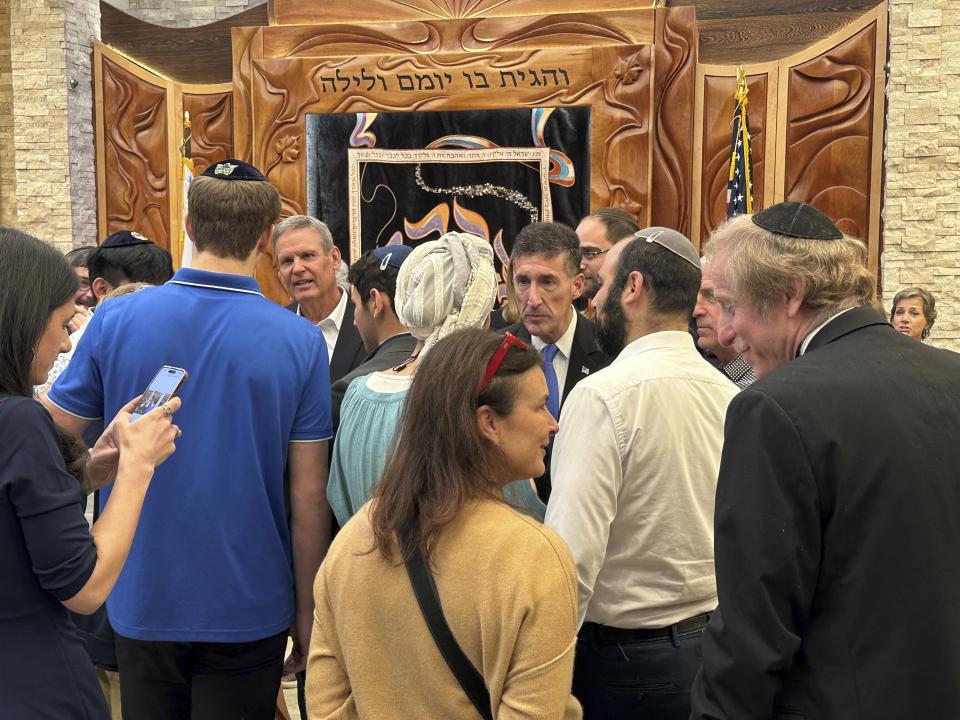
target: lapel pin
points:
(584, 370)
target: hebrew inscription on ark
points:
(340, 82)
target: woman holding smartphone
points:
(50, 560)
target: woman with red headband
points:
(438, 547)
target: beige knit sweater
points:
(508, 590)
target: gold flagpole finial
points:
(741, 85)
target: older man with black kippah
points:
(838, 503)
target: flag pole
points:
(742, 92)
(186, 175)
(740, 180)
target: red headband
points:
(509, 340)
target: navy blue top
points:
(46, 556)
(211, 560)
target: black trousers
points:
(637, 675)
(200, 680)
(301, 694)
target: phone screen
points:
(164, 386)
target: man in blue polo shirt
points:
(215, 580)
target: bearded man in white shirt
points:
(636, 471)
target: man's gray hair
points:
(758, 266)
(298, 222)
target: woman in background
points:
(476, 420)
(913, 313)
(50, 559)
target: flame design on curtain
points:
(391, 206)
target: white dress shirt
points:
(564, 347)
(330, 325)
(810, 335)
(634, 474)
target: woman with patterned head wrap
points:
(443, 286)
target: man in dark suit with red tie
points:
(545, 267)
(837, 522)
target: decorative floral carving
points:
(627, 73)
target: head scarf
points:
(446, 285)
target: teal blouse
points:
(368, 421)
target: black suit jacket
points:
(349, 351)
(585, 357)
(838, 536)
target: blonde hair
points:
(759, 265)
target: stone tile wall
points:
(40, 149)
(82, 28)
(922, 203)
(47, 172)
(8, 187)
(184, 13)
(47, 155)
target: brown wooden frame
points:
(776, 114)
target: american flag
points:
(740, 184)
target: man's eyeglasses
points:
(590, 253)
(509, 340)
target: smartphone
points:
(165, 384)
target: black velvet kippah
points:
(125, 238)
(234, 170)
(797, 220)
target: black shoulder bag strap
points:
(429, 600)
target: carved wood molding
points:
(211, 125)
(247, 44)
(830, 128)
(459, 35)
(132, 110)
(674, 92)
(614, 81)
(304, 12)
(139, 130)
(817, 125)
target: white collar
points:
(215, 287)
(336, 315)
(810, 335)
(662, 339)
(564, 343)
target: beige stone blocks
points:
(47, 180)
(186, 13)
(922, 203)
(47, 159)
